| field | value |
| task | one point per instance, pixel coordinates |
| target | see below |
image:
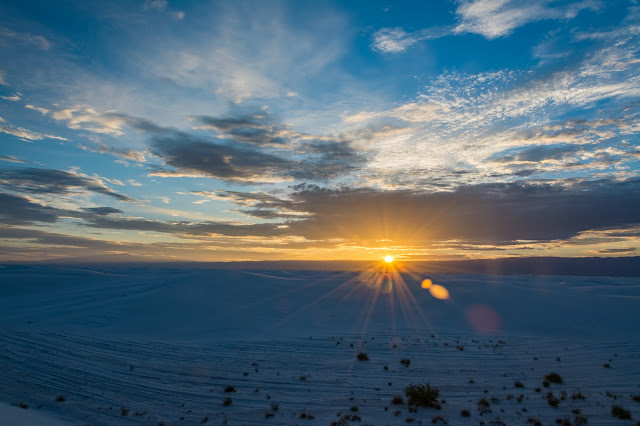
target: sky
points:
(221, 131)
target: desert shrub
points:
(552, 400)
(386, 368)
(274, 406)
(577, 395)
(465, 413)
(305, 415)
(229, 389)
(518, 384)
(484, 406)
(563, 421)
(636, 398)
(438, 419)
(124, 411)
(620, 412)
(606, 365)
(60, 398)
(545, 383)
(553, 378)
(405, 362)
(22, 405)
(354, 408)
(580, 420)
(227, 401)
(410, 419)
(534, 421)
(397, 413)
(424, 396)
(204, 420)
(397, 400)
(362, 356)
(268, 414)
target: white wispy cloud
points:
(13, 98)
(3, 82)
(83, 117)
(42, 111)
(488, 18)
(26, 134)
(461, 120)
(36, 40)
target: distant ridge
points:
(577, 266)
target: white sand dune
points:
(161, 344)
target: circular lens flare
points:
(388, 259)
(426, 283)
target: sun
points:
(388, 259)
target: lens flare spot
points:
(426, 283)
(483, 319)
(388, 259)
(439, 292)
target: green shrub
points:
(423, 396)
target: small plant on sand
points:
(362, 356)
(124, 411)
(484, 406)
(465, 413)
(438, 419)
(405, 362)
(229, 389)
(204, 420)
(552, 400)
(397, 400)
(227, 401)
(423, 396)
(60, 398)
(534, 421)
(305, 415)
(620, 412)
(553, 378)
(274, 406)
(636, 398)
(518, 384)
(21, 405)
(354, 408)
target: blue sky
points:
(325, 130)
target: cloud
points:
(485, 213)
(42, 111)
(3, 82)
(28, 38)
(83, 117)
(11, 159)
(14, 98)
(48, 181)
(489, 18)
(21, 211)
(219, 161)
(161, 5)
(257, 129)
(102, 211)
(26, 134)
(126, 153)
(396, 40)
(618, 250)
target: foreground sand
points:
(148, 346)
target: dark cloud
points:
(48, 181)
(539, 153)
(20, 211)
(488, 213)
(101, 211)
(617, 250)
(220, 161)
(254, 129)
